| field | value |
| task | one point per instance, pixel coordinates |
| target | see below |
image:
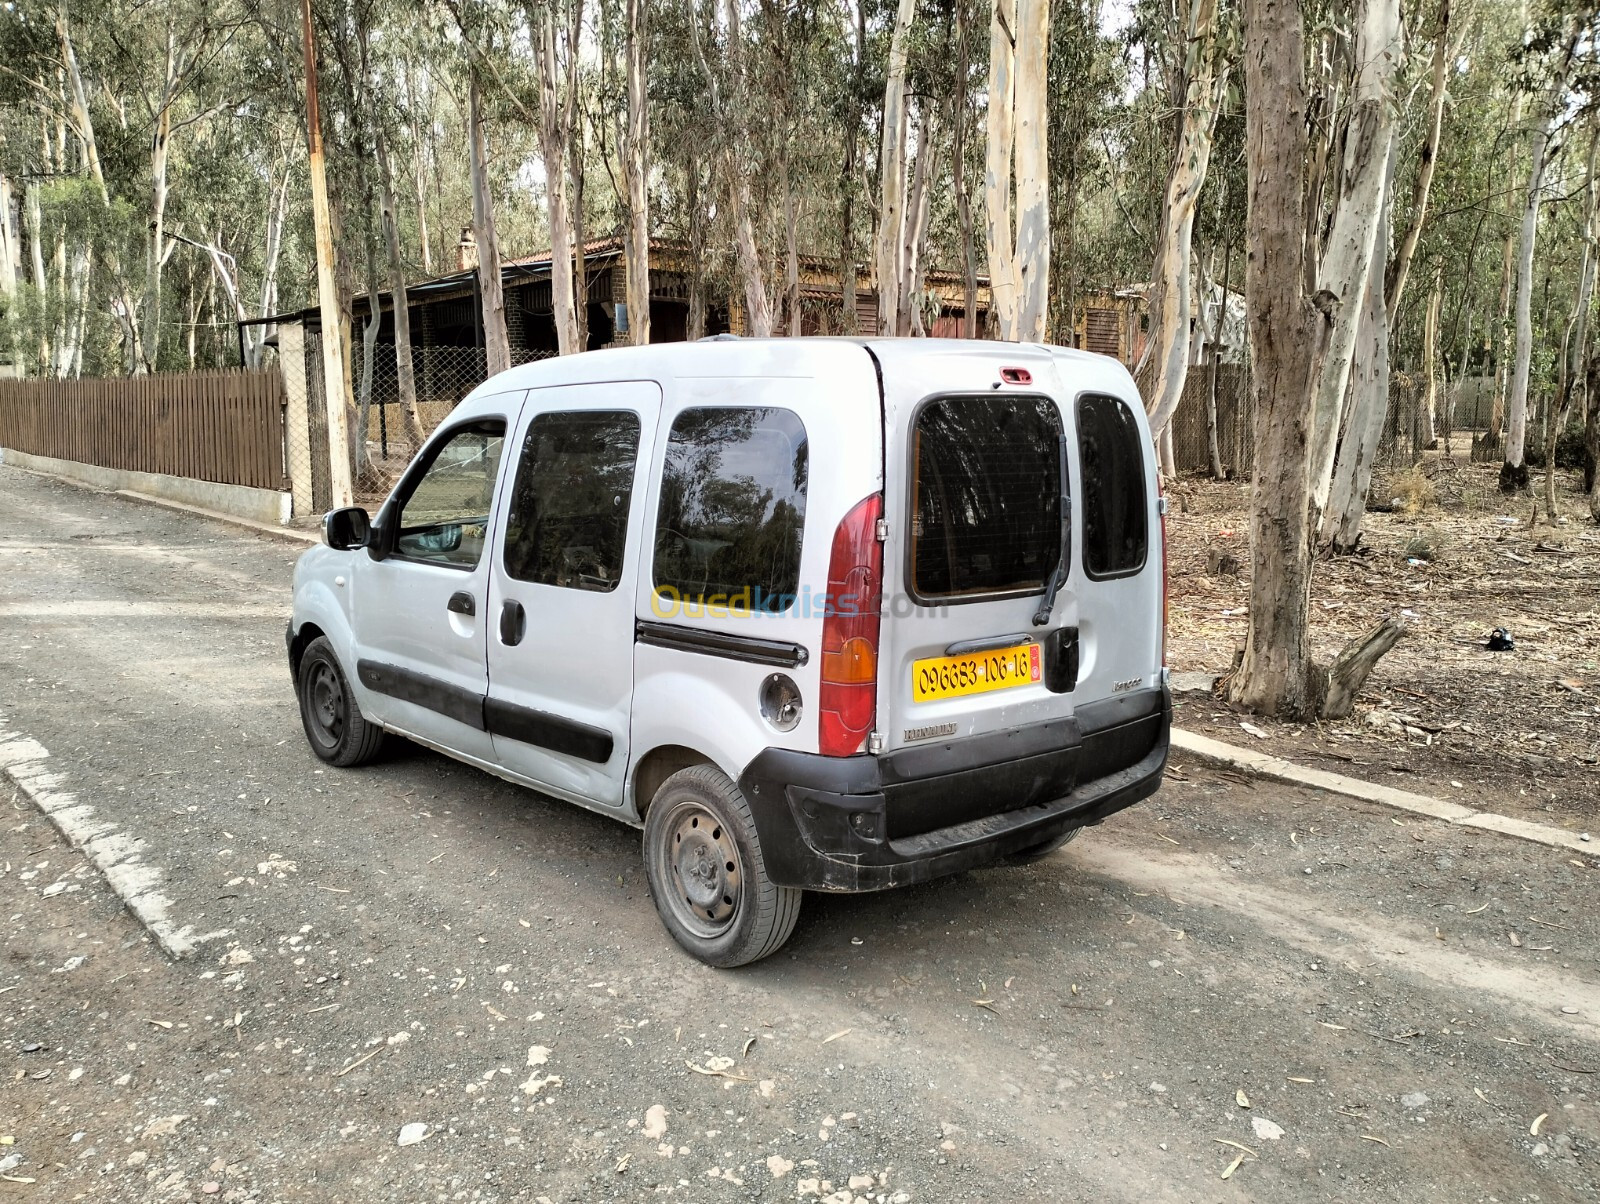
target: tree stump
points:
(1354, 665)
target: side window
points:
(1114, 519)
(568, 524)
(733, 509)
(446, 517)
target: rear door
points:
(975, 502)
(1117, 571)
(561, 589)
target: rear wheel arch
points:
(656, 766)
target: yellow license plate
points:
(976, 673)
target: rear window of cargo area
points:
(1111, 451)
(986, 496)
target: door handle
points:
(462, 603)
(513, 622)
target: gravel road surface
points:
(1234, 991)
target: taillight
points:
(849, 703)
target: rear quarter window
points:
(1115, 519)
(733, 509)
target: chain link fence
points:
(385, 434)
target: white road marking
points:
(116, 854)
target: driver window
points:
(445, 520)
(568, 524)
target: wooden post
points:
(333, 374)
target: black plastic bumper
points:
(871, 822)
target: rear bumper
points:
(867, 823)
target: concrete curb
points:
(1277, 769)
(292, 534)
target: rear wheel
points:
(335, 727)
(706, 873)
(1042, 850)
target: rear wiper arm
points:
(1059, 577)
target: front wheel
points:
(335, 726)
(706, 873)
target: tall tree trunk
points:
(1427, 160)
(1276, 674)
(636, 170)
(1513, 472)
(697, 249)
(962, 119)
(1574, 340)
(916, 228)
(791, 245)
(496, 344)
(892, 177)
(1428, 406)
(1348, 258)
(156, 250)
(405, 373)
(553, 137)
(1503, 340)
(1019, 255)
(1171, 308)
(417, 169)
(849, 319)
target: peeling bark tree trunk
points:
(1342, 278)
(892, 221)
(1171, 306)
(849, 319)
(1019, 254)
(1513, 472)
(553, 150)
(496, 344)
(791, 258)
(916, 231)
(636, 170)
(1369, 393)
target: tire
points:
(335, 728)
(1040, 851)
(707, 877)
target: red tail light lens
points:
(849, 699)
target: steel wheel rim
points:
(325, 704)
(700, 870)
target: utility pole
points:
(327, 292)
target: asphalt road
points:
(1324, 991)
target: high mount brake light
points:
(1016, 376)
(848, 706)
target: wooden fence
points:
(211, 426)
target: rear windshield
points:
(733, 509)
(1111, 451)
(986, 496)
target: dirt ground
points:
(1517, 731)
(1234, 991)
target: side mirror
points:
(347, 528)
